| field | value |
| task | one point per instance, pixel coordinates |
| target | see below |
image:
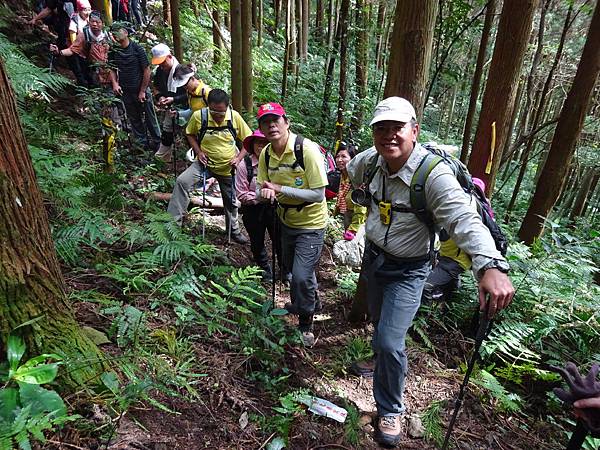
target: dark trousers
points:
(142, 118)
(257, 219)
(81, 69)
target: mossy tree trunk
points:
(31, 284)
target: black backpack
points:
(418, 201)
(249, 168)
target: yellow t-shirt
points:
(219, 145)
(313, 176)
(196, 98)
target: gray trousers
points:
(185, 183)
(301, 250)
(394, 293)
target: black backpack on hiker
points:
(418, 202)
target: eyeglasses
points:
(217, 113)
(385, 129)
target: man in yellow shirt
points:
(216, 150)
(291, 171)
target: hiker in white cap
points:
(398, 248)
(168, 96)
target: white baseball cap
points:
(160, 53)
(178, 82)
(397, 109)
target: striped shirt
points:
(130, 63)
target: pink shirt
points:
(246, 192)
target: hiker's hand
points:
(497, 285)
(273, 186)
(593, 402)
(234, 162)
(268, 194)
(165, 101)
(142, 96)
(202, 158)
(32, 22)
(117, 89)
(54, 49)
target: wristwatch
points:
(499, 264)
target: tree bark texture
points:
(305, 29)
(590, 196)
(344, 26)
(319, 14)
(569, 127)
(329, 79)
(176, 25)
(261, 14)
(236, 54)
(166, 12)
(412, 40)
(217, 41)
(286, 58)
(380, 31)
(362, 61)
(501, 87)
(582, 195)
(247, 55)
(485, 36)
(31, 284)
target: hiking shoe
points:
(239, 238)
(388, 431)
(308, 339)
(363, 369)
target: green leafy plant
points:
(433, 424)
(26, 408)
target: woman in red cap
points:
(257, 217)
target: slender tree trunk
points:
(590, 197)
(261, 17)
(217, 41)
(227, 20)
(412, 40)
(319, 14)
(247, 55)
(178, 49)
(381, 32)
(501, 88)
(277, 9)
(344, 26)
(298, 44)
(565, 137)
(582, 195)
(305, 28)
(288, 43)
(31, 283)
(166, 12)
(485, 36)
(236, 54)
(331, 32)
(329, 80)
(254, 6)
(362, 61)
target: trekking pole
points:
(578, 437)
(274, 238)
(51, 62)
(174, 122)
(484, 326)
(203, 201)
(232, 200)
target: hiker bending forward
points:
(299, 190)
(399, 247)
(215, 146)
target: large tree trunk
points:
(362, 61)
(485, 36)
(501, 88)
(236, 54)
(31, 284)
(565, 136)
(216, 34)
(177, 48)
(344, 25)
(247, 55)
(412, 40)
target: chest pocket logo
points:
(298, 181)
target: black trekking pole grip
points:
(482, 329)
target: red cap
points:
(270, 108)
(250, 139)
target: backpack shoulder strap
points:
(230, 126)
(203, 124)
(299, 152)
(267, 159)
(249, 168)
(369, 174)
(417, 186)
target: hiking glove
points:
(581, 388)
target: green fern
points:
(506, 402)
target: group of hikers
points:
(278, 181)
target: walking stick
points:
(578, 436)
(174, 118)
(232, 200)
(274, 238)
(203, 201)
(484, 326)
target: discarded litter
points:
(325, 408)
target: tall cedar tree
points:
(236, 54)
(501, 88)
(570, 123)
(177, 48)
(362, 60)
(31, 284)
(485, 36)
(247, 55)
(411, 45)
(344, 26)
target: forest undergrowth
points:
(199, 353)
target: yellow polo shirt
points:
(219, 146)
(196, 98)
(280, 171)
